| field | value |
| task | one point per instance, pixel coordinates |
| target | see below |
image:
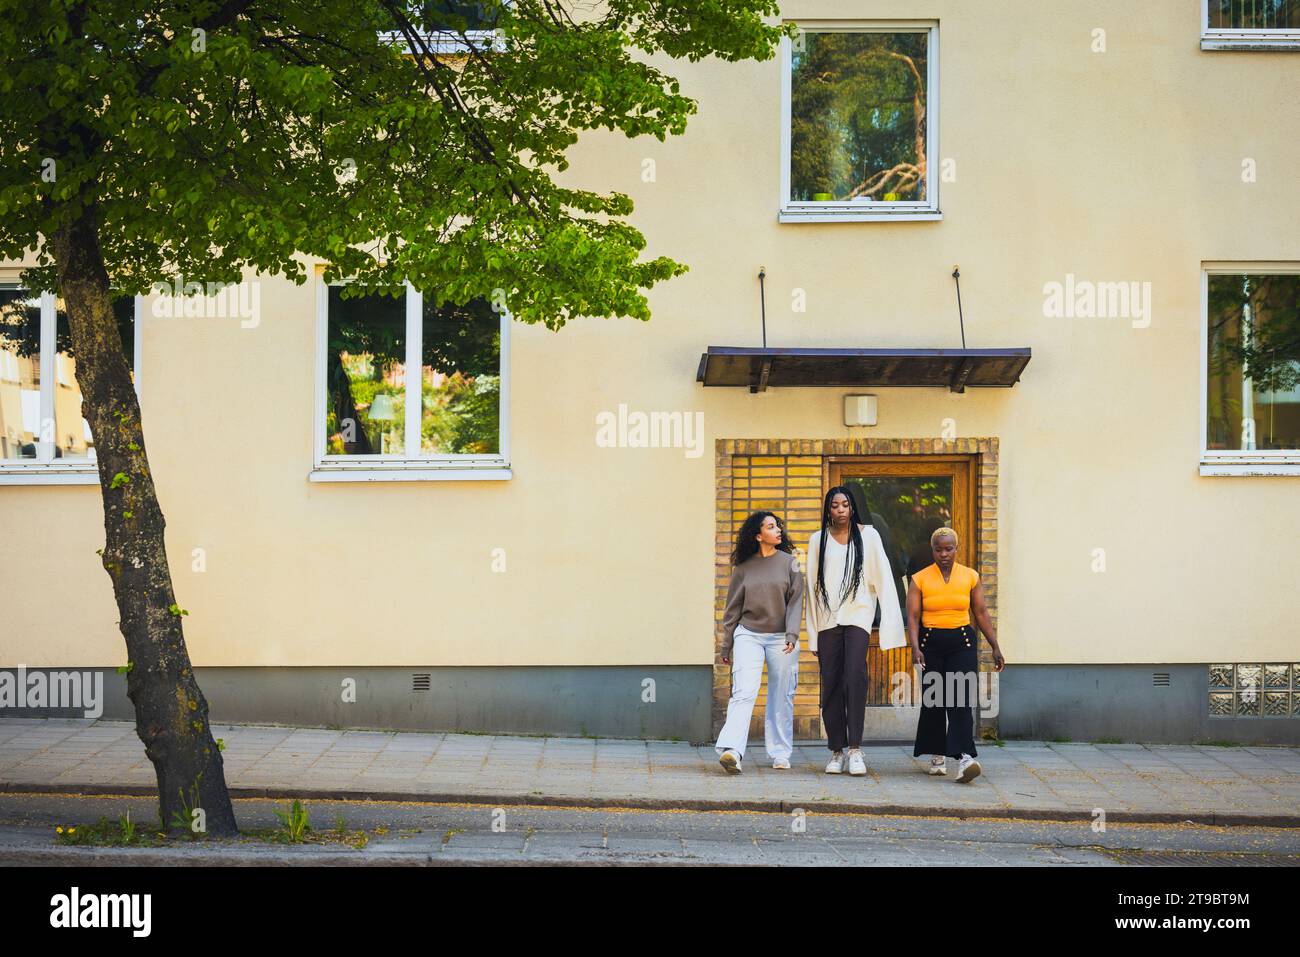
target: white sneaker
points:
(968, 769)
(781, 764)
(936, 765)
(836, 765)
(857, 767)
(730, 760)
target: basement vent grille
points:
(1160, 679)
(421, 683)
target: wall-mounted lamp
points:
(859, 410)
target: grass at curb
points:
(126, 833)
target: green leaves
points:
(295, 821)
(207, 159)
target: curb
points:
(216, 856)
(1065, 815)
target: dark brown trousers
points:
(842, 660)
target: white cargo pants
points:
(748, 652)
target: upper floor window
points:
(42, 430)
(452, 26)
(1252, 369)
(860, 122)
(1250, 24)
(380, 418)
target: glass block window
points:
(1252, 690)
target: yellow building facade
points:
(1103, 175)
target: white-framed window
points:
(1250, 369)
(43, 437)
(860, 121)
(375, 421)
(479, 27)
(1250, 25)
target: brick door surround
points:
(788, 477)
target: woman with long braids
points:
(940, 600)
(761, 622)
(848, 574)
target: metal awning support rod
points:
(956, 276)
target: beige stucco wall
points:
(1122, 166)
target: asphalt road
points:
(420, 834)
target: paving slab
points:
(1023, 779)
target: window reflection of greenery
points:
(461, 354)
(366, 337)
(858, 116)
(20, 324)
(1254, 14)
(1269, 356)
(20, 335)
(905, 510)
(461, 414)
(453, 16)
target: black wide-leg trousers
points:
(842, 660)
(947, 722)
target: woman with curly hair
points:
(761, 622)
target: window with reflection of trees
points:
(1253, 374)
(858, 125)
(459, 386)
(454, 14)
(1254, 14)
(28, 432)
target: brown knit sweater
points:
(766, 596)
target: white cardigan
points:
(859, 608)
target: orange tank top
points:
(945, 604)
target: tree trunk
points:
(170, 710)
(345, 408)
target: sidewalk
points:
(1022, 780)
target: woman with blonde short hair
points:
(940, 600)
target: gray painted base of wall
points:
(1122, 703)
(608, 702)
(1038, 702)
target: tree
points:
(191, 140)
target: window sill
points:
(789, 214)
(1257, 467)
(50, 476)
(1280, 44)
(408, 474)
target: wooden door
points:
(904, 498)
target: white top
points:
(858, 609)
